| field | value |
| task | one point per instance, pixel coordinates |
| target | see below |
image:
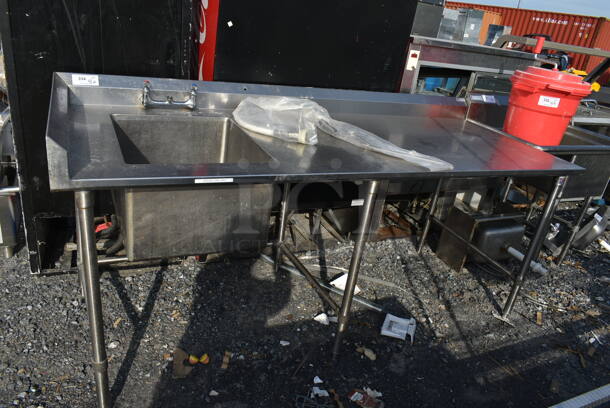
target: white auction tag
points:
(86, 80)
(412, 61)
(549, 101)
(214, 180)
(358, 202)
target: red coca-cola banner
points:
(208, 22)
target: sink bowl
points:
(165, 139)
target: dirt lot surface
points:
(461, 355)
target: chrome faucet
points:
(149, 102)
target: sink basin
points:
(163, 139)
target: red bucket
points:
(541, 104)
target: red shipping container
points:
(584, 31)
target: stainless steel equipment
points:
(167, 222)
(431, 53)
(89, 148)
(586, 148)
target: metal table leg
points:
(534, 247)
(84, 207)
(282, 226)
(507, 187)
(424, 233)
(575, 229)
(354, 267)
(79, 259)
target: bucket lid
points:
(556, 80)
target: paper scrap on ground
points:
(340, 282)
(323, 319)
(319, 392)
(372, 393)
(370, 354)
(398, 327)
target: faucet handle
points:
(148, 101)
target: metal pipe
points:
(536, 242)
(282, 226)
(518, 255)
(84, 205)
(354, 267)
(498, 217)
(111, 260)
(79, 245)
(9, 190)
(314, 283)
(424, 233)
(358, 299)
(509, 184)
(575, 229)
(473, 247)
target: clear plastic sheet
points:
(297, 120)
(290, 119)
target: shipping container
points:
(584, 31)
(489, 17)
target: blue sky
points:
(594, 8)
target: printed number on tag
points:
(87, 80)
(549, 101)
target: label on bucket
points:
(549, 101)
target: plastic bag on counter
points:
(369, 141)
(297, 120)
(290, 119)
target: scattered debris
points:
(597, 338)
(541, 303)
(604, 245)
(325, 319)
(362, 399)
(318, 392)
(539, 318)
(180, 369)
(117, 322)
(336, 398)
(213, 393)
(322, 318)
(225, 360)
(593, 313)
(317, 380)
(370, 354)
(284, 343)
(398, 327)
(340, 282)
(113, 344)
(372, 393)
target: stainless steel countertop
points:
(594, 115)
(83, 150)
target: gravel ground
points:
(461, 355)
